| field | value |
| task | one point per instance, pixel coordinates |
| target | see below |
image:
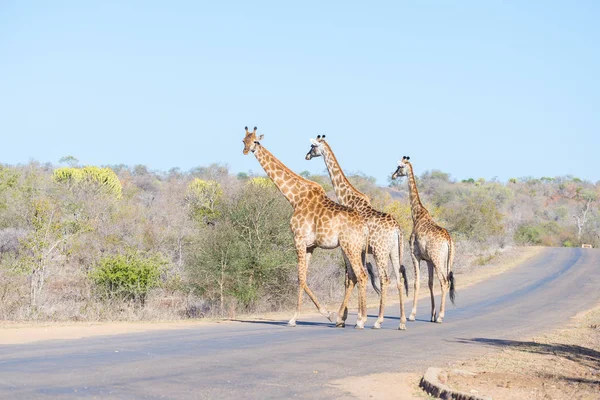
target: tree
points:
(583, 215)
(203, 198)
(69, 160)
(100, 178)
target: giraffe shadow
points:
(284, 323)
(583, 356)
(398, 318)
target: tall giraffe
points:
(385, 240)
(429, 242)
(317, 221)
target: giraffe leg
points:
(430, 268)
(361, 276)
(350, 281)
(396, 264)
(384, 281)
(416, 261)
(444, 287)
(304, 255)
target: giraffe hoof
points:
(411, 318)
(402, 327)
(376, 325)
(438, 320)
(357, 326)
(340, 324)
(291, 324)
(331, 316)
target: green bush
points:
(127, 276)
(528, 234)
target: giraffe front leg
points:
(301, 283)
(304, 255)
(329, 315)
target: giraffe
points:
(317, 221)
(386, 237)
(429, 242)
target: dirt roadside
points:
(562, 364)
(27, 332)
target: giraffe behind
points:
(386, 240)
(429, 242)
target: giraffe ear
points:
(314, 141)
(258, 139)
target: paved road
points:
(261, 359)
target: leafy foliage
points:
(103, 178)
(128, 276)
(248, 254)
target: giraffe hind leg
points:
(350, 282)
(384, 281)
(416, 261)
(444, 288)
(400, 281)
(361, 276)
(430, 268)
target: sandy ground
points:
(563, 364)
(399, 386)
(27, 332)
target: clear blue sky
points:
(473, 88)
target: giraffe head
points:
(316, 147)
(402, 169)
(251, 141)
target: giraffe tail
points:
(401, 255)
(449, 270)
(369, 266)
(373, 276)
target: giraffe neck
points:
(347, 194)
(418, 210)
(288, 182)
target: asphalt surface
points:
(266, 359)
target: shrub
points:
(528, 234)
(103, 178)
(127, 276)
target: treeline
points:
(90, 243)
